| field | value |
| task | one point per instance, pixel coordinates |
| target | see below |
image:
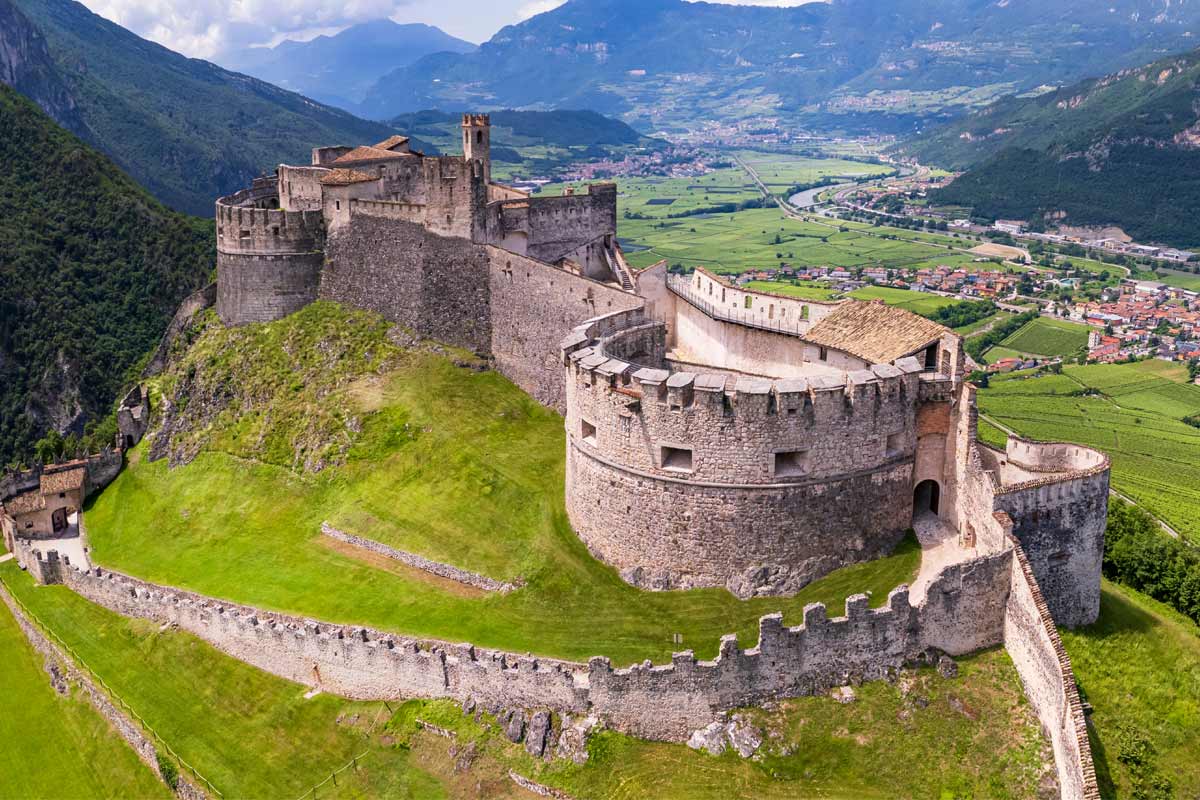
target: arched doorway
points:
(926, 497)
(58, 519)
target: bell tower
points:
(477, 141)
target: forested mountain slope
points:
(1123, 150)
(91, 270)
(185, 129)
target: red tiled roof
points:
(368, 153)
(345, 177)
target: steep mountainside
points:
(1124, 150)
(663, 62)
(25, 64)
(91, 269)
(186, 129)
(340, 69)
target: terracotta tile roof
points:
(345, 177)
(24, 503)
(875, 332)
(368, 153)
(392, 141)
(65, 481)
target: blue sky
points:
(208, 28)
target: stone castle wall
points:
(1032, 640)
(699, 480)
(532, 304)
(431, 284)
(662, 702)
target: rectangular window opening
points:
(677, 459)
(895, 444)
(587, 432)
(823, 354)
(791, 464)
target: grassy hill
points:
(91, 270)
(1118, 150)
(186, 129)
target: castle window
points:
(337, 205)
(895, 445)
(803, 312)
(823, 353)
(275, 230)
(245, 234)
(749, 301)
(791, 464)
(587, 432)
(676, 459)
(479, 137)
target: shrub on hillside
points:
(1139, 554)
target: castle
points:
(715, 437)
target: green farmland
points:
(781, 172)
(1048, 337)
(1133, 412)
(916, 302)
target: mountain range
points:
(186, 129)
(340, 69)
(1122, 150)
(661, 64)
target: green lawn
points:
(1139, 667)
(922, 737)
(1048, 337)
(55, 745)
(456, 464)
(1131, 411)
(1184, 280)
(250, 733)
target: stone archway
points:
(927, 497)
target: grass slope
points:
(1133, 412)
(456, 464)
(54, 745)
(1139, 667)
(250, 733)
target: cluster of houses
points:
(1142, 318)
(981, 285)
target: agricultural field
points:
(1133, 412)
(765, 238)
(781, 172)
(1184, 280)
(804, 290)
(916, 302)
(57, 745)
(1048, 337)
(452, 463)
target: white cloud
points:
(537, 7)
(205, 28)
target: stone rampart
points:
(388, 209)
(125, 727)
(1042, 662)
(684, 480)
(658, 702)
(533, 305)
(1058, 516)
(434, 285)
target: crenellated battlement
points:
(268, 231)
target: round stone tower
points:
(268, 260)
